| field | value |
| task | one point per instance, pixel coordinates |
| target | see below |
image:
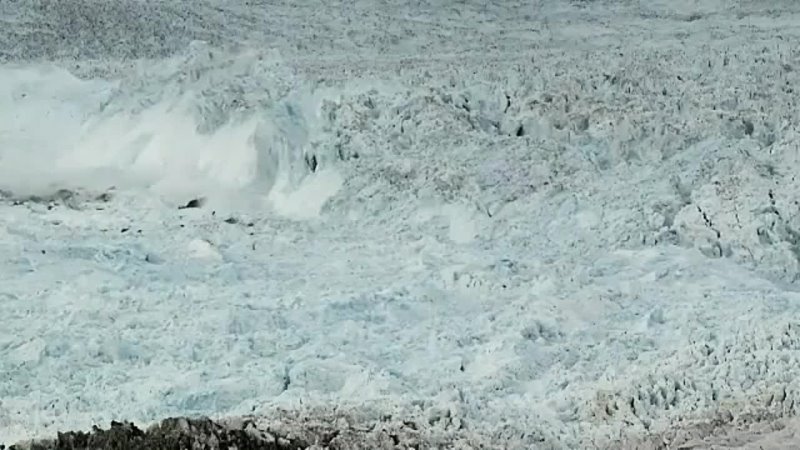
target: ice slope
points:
(552, 226)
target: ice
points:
(537, 225)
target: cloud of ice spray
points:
(204, 124)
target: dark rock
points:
(171, 434)
(104, 197)
(193, 203)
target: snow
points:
(547, 224)
(306, 200)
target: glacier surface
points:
(549, 224)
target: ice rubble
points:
(581, 242)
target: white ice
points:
(551, 224)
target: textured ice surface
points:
(552, 224)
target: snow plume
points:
(204, 124)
